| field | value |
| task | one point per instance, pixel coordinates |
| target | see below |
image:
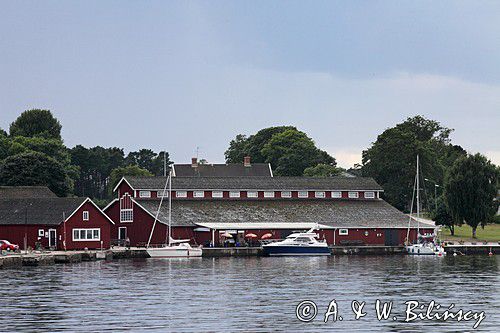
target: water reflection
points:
(244, 294)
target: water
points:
(245, 294)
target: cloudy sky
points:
(180, 75)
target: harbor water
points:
(255, 294)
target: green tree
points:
(149, 160)
(129, 170)
(391, 158)
(289, 150)
(36, 123)
(322, 170)
(33, 168)
(442, 216)
(2, 133)
(471, 189)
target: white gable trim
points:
(270, 170)
(119, 183)
(108, 205)
(93, 203)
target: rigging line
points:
(158, 212)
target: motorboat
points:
(298, 244)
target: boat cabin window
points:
(303, 239)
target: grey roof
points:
(256, 183)
(38, 211)
(13, 192)
(223, 170)
(335, 213)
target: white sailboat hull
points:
(425, 249)
(177, 251)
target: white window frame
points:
(198, 194)
(234, 194)
(343, 232)
(85, 234)
(122, 228)
(85, 215)
(370, 195)
(41, 232)
(336, 194)
(181, 194)
(268, 194)
(353, 195)
(144, 194)
(162, 194)
(303, 194)
(127, 215)
(252, 194)
(320, 194)
(286, 194)
(217, 194)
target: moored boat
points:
(298, 244)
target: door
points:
(391, 237)
(122, 233)
(52, 238)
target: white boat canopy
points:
(261, 225)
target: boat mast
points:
(169, 207)
(418, 198)
(157, 213)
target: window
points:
(319, 194)
(343, 232)
(85, 215)
(268, 194)
(303, 194)
(369, 195)
(252, 194)
(144, 194)
(336, 194)
(126, 215)
(217, 194)
(197, 194)
(80, 235)
(234, 194)
(41, 232)
(286, 194)
(353, 195)
(162, 194)
(181, 194)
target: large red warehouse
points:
(348, 210)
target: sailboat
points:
(174, 248)
(425, 245)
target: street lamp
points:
(435, 191)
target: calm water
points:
(245, 294)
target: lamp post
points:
(435, 191)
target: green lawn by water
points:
(490, 233)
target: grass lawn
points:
(490, 233)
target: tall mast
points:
(164, 164)
(418, 197)
(169, 207)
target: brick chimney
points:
(194, 162)
(246, 161)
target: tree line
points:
(458, 187)
(33, 153)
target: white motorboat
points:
(425, 244)
(298, 244)
(174, 248)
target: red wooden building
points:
(37, 216)
(348, 210)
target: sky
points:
(188, 76)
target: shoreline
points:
(62, 257)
